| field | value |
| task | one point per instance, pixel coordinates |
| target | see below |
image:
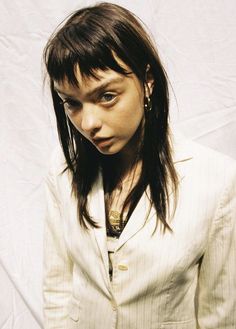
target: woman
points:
(140, 228)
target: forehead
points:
(87, 85)
(100, 78)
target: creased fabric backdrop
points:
(197, 42)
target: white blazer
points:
(180, 280)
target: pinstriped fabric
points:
(57, 265)
(180, 280)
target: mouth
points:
(102, 142)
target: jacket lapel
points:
(96, 208)
(136, 221)
(97, 211)
(143, 210)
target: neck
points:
(121, 177)
(129, 156)
(125, 164)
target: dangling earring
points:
(147, 104)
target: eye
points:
(107, 97)
(71, 105)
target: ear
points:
(149, 81)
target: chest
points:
(143, 250)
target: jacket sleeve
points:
(216, 298)
(57, 265)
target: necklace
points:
(114, 216)
(116, 201)
(115, 219)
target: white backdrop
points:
(197, 42)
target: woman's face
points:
(108, 112)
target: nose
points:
(90, 121)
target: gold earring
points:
(147, 104)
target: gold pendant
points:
(114, 218)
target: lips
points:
(102, 142)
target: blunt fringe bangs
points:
(92, 38)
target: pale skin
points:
(109, 112)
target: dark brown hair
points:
(89, 38)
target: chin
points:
(107, 152)
(111, 150)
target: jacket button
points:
(122, 267)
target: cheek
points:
(132, 112)
(75, 122)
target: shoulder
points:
(58, 176)
(57, 162)
(200, 158)
(207, 184)
(205, 175)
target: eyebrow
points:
(102, 86)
